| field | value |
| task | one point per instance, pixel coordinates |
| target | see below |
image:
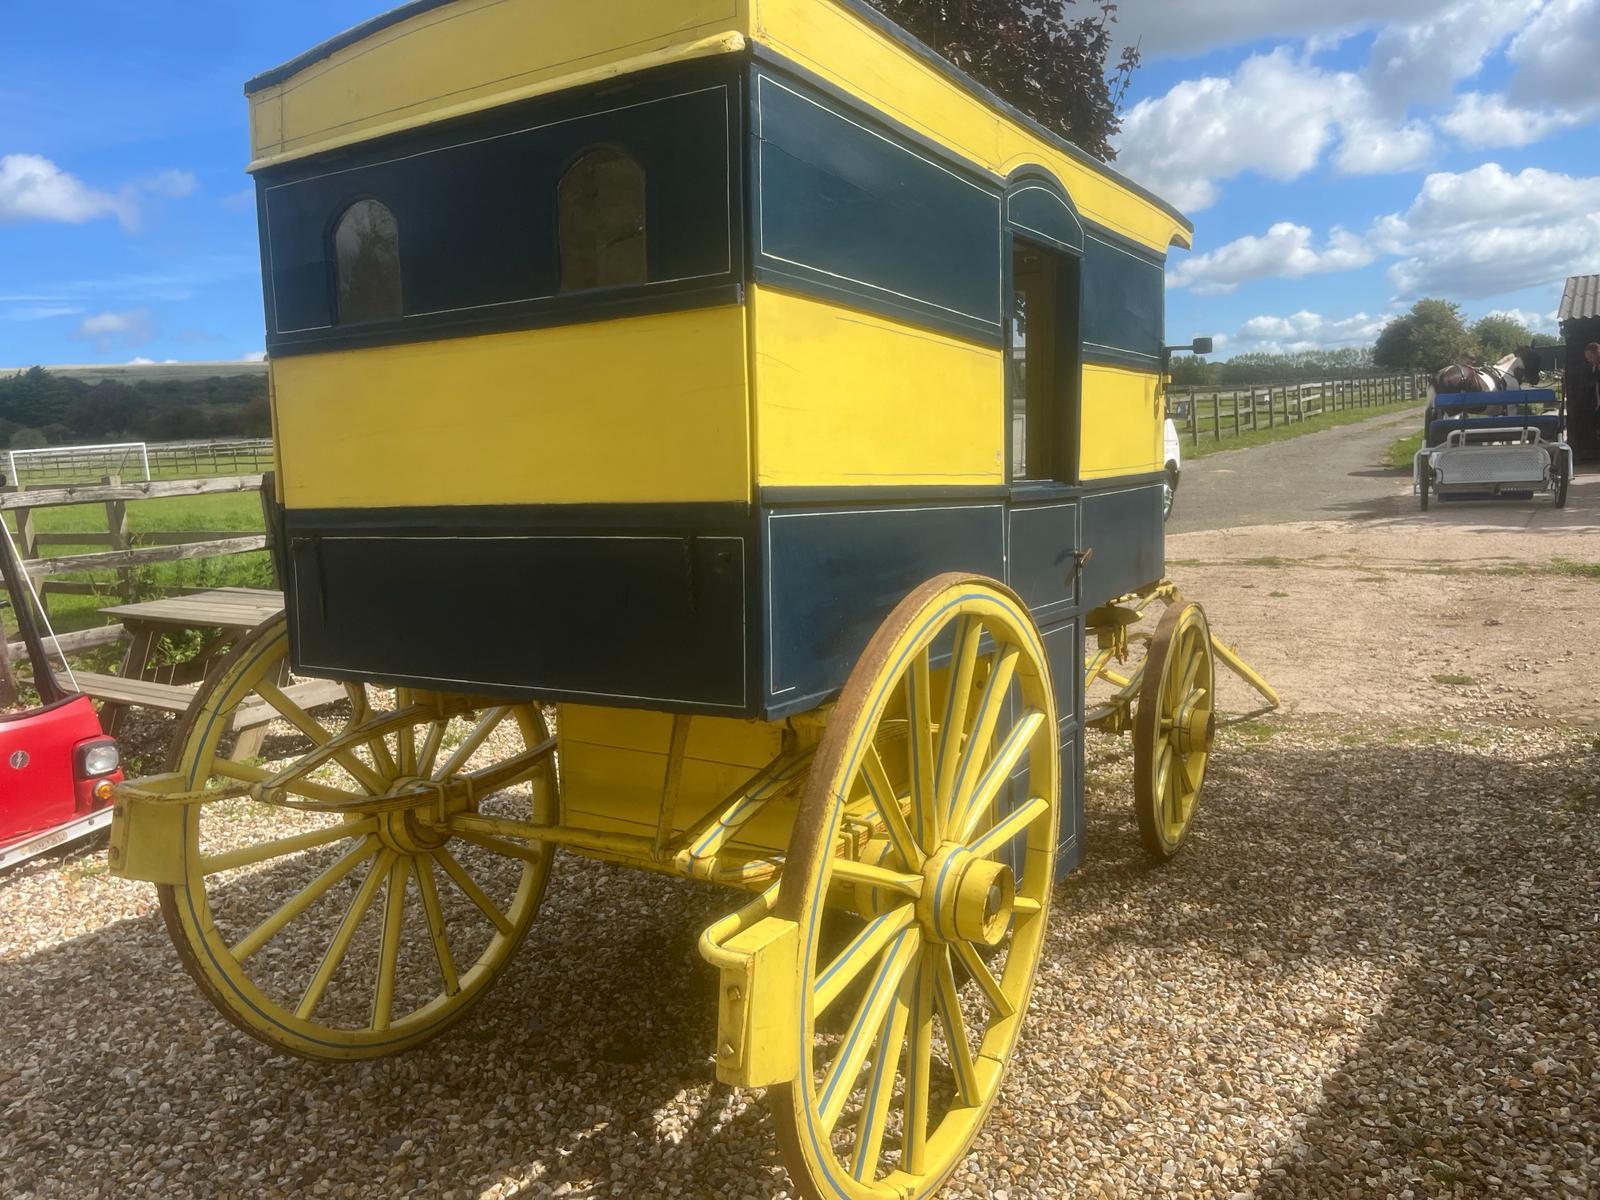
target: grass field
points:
(1263, 437)
(227, 513)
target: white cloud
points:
(32, 188)
(1421, 58)
(1184, 27)
(1537, 322)
(39, 312)
(131, 328)
(1556, 55)
(1487, 231)
(1481, 121)
(1303, 331)
(1284, 251)
(254, 356)
(1277, 115)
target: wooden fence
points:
(167, 460)
(1218, 413)
(124, 550)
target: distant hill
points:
(147, 372)
(158, 402)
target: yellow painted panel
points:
(846, 398)
(863, 61)
(643, 410)
(1122, 422)
(476, 54)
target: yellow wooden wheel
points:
(341, 908)
(917, 959)
(1174, 728)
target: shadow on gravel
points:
(1469, 878)
(1466, 879)
(566, 1068)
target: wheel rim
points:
(910, 1007)
(1174, 728)
(339, 935)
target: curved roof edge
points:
(327, 49)
(860, 8)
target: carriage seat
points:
(1548, 425)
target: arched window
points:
(366, 248)
(602, 202)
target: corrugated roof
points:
(1581, 300)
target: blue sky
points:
(1338, 161)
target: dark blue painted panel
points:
(1124, 302)
(847, 207)
(1126, 533)
(1042, 561)
(1036, 210)
(833, 575)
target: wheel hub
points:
(965, 897)
(1195, 726)
(422, 827)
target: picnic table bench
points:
(233, 612)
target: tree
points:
(1034, 55)
(1497, 336)
(1429, 337)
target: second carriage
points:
(707, 435)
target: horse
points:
(1510, 374)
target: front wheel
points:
(919, 876)
(1425, 485)
(1559, 486)
(342, 896)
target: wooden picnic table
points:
(233, 611)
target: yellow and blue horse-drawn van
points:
(706, 430)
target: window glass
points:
(366, 247)
(1031, 384)
(603, 221)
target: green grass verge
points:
(1402, 452)
(1282, 433)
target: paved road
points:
(1328, 475)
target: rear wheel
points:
(1559, 486)
(918, 957)
(1169, 491)
(1426, 482)
(346, 894)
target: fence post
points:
(1272, 407)
(1236, 414)
(1194, 419)
(121, 538)
(1216, 417)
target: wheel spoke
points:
(249, 856)
(287, 781)
(995, 692)
(435, 915)
(469, 745)
(340, 945)
(888, 804)
(297, 904)
(854, 958)
(394, 912)
(1014, 823)
(880, 1087)
(919, 1069)
(983, 796)
(308, 725)
(502, 847)
(429, 753)
(984, 978)
(919, 746)
(405, 738)
(955, 1028)
(472, 891)
(847, 870)
(864, 1029)
(969, 633)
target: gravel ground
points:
(1373, 972)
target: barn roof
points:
(1581, 300)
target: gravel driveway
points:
(1374, 971)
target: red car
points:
(56, 773)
